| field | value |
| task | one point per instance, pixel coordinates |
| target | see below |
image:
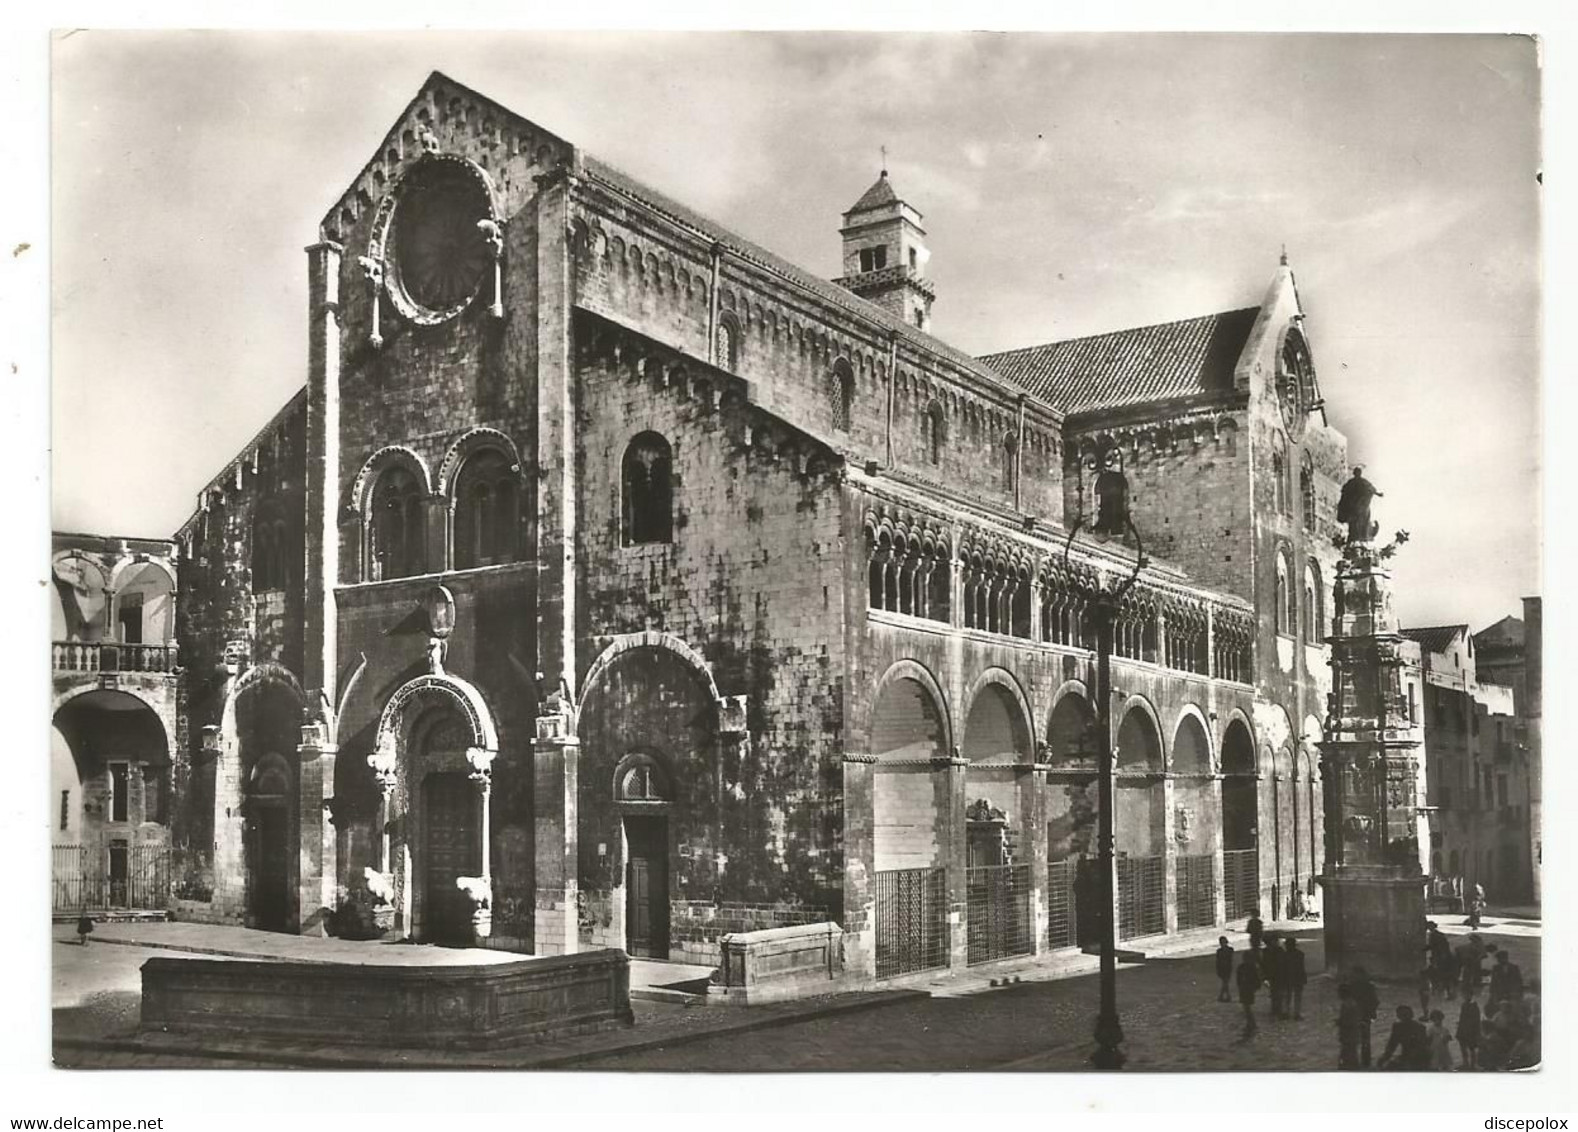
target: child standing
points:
(1440, 1043)
(1224, 968)
(1468, 1029)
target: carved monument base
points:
(1374, 919)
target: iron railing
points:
(1241, 882)
(1142, 896)
(112, 656)
(96, 878)
(1062, 904)
(998, 902)
(1196, 888)
(912, 921)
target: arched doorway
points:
(1139, 826)
(643, 796)
(268, 728)
(1240, 822)
(110, 804)
(270, 792)
(908, 732)
(1195, 823)
(1073, 886)
(999, 806)
(449, 846)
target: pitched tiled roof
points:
(1507, 631)
(1129, 367)
(1435, 638)
(877, 195)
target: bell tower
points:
(885, 254)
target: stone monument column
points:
(1373, 883)
(555, 772)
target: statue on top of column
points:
(1353, 507)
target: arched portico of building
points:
(1195, 810)
(1140, 822)
(1240, 819)
(1005, 852)
(110, 779)
(1071, 800)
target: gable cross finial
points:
(884, 160)
(1284, 254)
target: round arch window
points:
(438, 253)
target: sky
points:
(1071, 184)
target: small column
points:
(318, 871)
(1033, 806)
(949, 786)
(436, 519)
(860, 895)
(1217, 851)
(1169, 855)
(555, 774)
(480, 888)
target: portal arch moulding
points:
(463, 696)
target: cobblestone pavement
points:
(1170, 1016)
(1171, 1021)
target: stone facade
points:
(643, 588)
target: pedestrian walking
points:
(1472, 964)
(1369, 1003)
(1468, 1030)
(1256, 929)
(1295, 974)
(1348, 1026)
(1271, 969)
(1440, 1043)
(1424, 980)
(1506, 980)
(1476, 905)
(1408, 1046)
(1249, 978)
(1224, 968)
(84, 928)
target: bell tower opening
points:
(885, 254)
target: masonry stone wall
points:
(751, 582)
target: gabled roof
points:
(1504, 633)
(877, 195)
(1436, 638)
(1189, 358)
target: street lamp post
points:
(1104, 601)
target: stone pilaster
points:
(860, 895)
(318, 872)
(320, 662)
(1169, 855)
(950, 791)
(1217, 849)
(555, 772)
(1033, 807)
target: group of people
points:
(1281, 969)
(1505, 1034)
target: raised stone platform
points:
(395, 1006)
(778, 963)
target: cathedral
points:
(613, 582)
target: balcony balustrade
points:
(113, 656)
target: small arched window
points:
(640, 779)
(1279, 476)
(936, 432)
(398, 533)
(1284, 597)
(1010, 464)
(1314, 604)
(648, 482)
(486, 510)
(842, 392)
(1307, 493)
(727, 343)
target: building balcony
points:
(113, 656)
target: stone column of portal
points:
(1169, 853)
(317, 894)
(860, 867)
(949, 791)
(1218, 860)
(1373, 884)
(555, 775)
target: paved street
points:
(1170, 1016)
